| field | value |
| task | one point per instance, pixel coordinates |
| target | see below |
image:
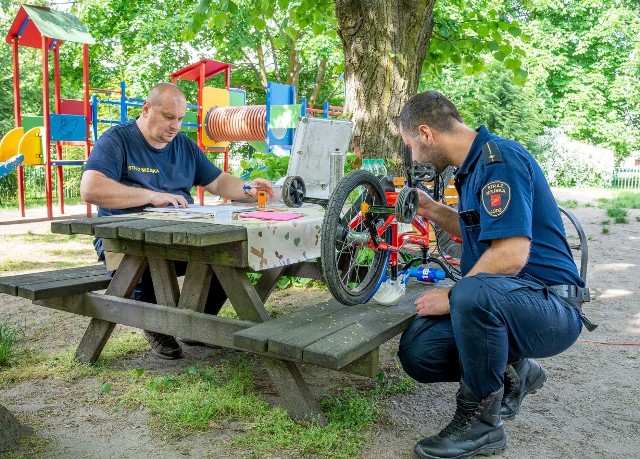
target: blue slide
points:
(10, 164)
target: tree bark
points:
(11, 430)
(385, 43)
(322, 66)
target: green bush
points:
(569, 163)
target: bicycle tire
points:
(351, 270)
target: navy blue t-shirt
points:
(503, 193)
(123, 154)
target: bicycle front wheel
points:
(351, 268)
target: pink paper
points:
(271, 215)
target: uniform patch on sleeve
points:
(496, 197)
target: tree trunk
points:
(385, 43)
(11, 430)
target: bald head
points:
(164, 91)
(162, 114)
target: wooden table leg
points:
(195, 289)
(98, 332)
(294, 392)
(165, 281)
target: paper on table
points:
(271, 215)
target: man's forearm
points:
(121, 197)
(443, 216)
(504, 256)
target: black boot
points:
(476, 428)
(521, 378)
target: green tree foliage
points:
(491, 98)
(472, 35)
(292, 42)
(585, 56)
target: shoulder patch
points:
(491, 153)
(496, 197)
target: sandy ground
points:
(589, 407)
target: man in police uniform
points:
(521, 293)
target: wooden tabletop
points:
(153, 230)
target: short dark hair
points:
(430, 108)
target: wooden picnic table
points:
(328, 334)
(207, 248)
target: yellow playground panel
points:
(214, 97)
(29, 144)
(31, 147)
(9, 143)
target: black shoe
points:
(521, 378)
(164, 346)
(476, 428)
(192, 342)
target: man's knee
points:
(468, 295)
(426, 355)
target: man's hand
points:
(260, 184)
(426, 204)
(158, 199)
(434, 302)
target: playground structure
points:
(219, 117)
(32, 138)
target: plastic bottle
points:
(427, 274)
(337, 169)
(382, 169)
(366, 165)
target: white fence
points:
(626, 178)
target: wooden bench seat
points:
(330, 334)
(61, 282)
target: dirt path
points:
(589, 407)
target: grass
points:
(33, 203)
(619, 214)
(34, 265)
(568, 204)
(627, 200)
(212, 397)
(49, 238)
(618, 208)
(9, 335)
(63, 365)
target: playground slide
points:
(9, 165)
(27, 144)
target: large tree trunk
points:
(385, 43)
(11, 430)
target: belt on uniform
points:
(571, 292)
(575, 296)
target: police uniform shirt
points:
(123, 154)
(503, 193)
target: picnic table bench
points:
(328, 334)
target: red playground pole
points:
(48, 185)
(18, 118)
(87, 107)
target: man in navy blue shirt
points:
(149, 162)
(521, 293)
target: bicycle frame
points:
(420, 236)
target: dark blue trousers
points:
(494, 320)
(144, 289)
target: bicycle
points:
(372, 236)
